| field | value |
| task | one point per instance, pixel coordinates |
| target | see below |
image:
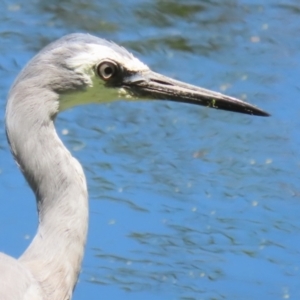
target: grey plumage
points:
(75, 69)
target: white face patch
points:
(95, 91)
(86, 60)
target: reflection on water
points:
(186, 202)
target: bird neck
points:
(54, 256)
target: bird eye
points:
(107, 70)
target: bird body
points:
(76, 69)
(16, 281)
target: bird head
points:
(81, 69)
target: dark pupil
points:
(108, 71)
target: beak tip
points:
(260, 113)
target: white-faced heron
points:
(76, 69)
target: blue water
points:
(185, 202)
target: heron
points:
(75, 69)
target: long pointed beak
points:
(151, 85)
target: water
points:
(185, 202)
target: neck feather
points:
(57, 179)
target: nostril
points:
(161, 82)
